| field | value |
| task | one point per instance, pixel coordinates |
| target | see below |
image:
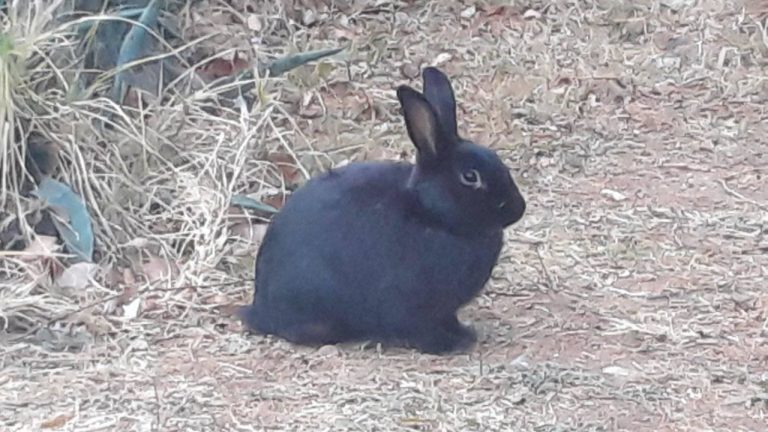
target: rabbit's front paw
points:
(465, 335)
(448, 336)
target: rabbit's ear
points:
(421, 123)
(439, 93)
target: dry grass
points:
(631, 297)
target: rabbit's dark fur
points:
(389, 251)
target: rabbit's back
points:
(351, 247)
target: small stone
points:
(616, 370)
(518, 397)
(531, 14)
(410, 70)
(253, 22)
(677, 5)
(443, 58)
(308, 17)
(328, 351)
(612, 194)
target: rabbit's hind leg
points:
(314, 333)
(295, 328)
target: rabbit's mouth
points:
(511, 211)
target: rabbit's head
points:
(458, 183)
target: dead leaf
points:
(138, 242)
(130, 290)
(220, 67)
(324, 69)
(151, 304)
(254, 22)
(514, 88)
(277, 200)
(376, 153)
(498, 19)
(56, 422)
(96, 325)
(41, 246)
(217, 299)
(559, 85)
(77, 277)
(129, 277)
(230, 310)
(252, 233)
(132, 309)
(341, 33)
(132, 98)
(310, 107)
(338, 97)
(651, 118)
(757, 8)
(662, 39)
(363, 109)
(42, 267)
(157, 268)
(608, 90)
(286, 165)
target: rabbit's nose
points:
(512, 210)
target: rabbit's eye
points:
(471, 178)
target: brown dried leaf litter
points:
(631, 297)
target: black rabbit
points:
(388, 251)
